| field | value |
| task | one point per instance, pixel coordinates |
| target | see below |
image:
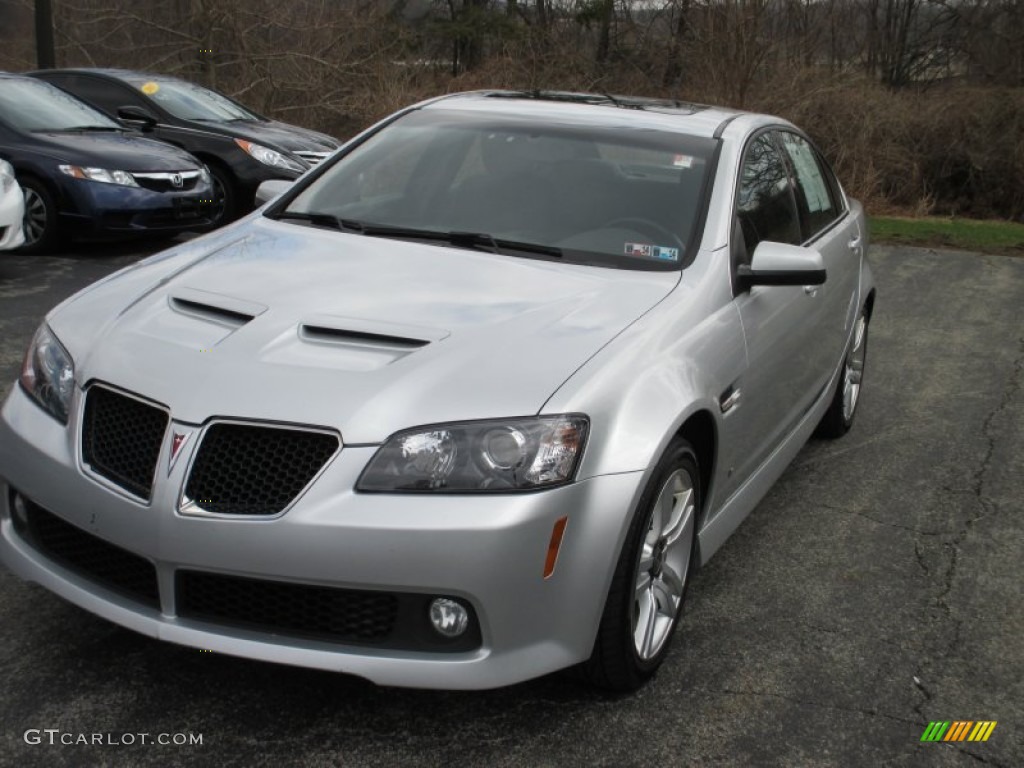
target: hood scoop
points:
(318, 333)
(192, 318)
(215, 307)
(351, 344)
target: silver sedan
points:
(468, 404)
(12, 209)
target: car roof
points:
(601, 110)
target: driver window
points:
(766, 209)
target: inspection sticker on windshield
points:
(150, 88)
(682, 161)
(652, 251)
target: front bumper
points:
(488, 551)
(95, 208)
(12, 211)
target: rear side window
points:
(815, 188)
(767, 209)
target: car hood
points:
(275, 134)
(367, 335)
(114, 150)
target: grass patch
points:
(1003, 237)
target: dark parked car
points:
(241, 148)
(84, 174)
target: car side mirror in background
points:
(268, 190)
(137, 117)
(781, 264)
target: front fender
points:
(642, 387)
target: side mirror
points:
(268, 190)
(781, 264)
(137, 117)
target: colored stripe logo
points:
(959, 730)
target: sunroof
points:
(603, 99)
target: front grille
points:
(297, 609)
(394, 620)
(121, 439)
(90, 556)
(164, 182)
(254, 470)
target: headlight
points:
(269, 156)
(6, 176)
(495, 456)
(48, 374)
(99, 174)
(204, 175)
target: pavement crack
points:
(986, 506)
(919, 555)
(876, 521)
(978, 478)
(874, 713)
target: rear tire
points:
(649, 586)
(839, 417)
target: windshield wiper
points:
(458, 239)
(323, 220)
(462, 239)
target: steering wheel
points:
(649, 227)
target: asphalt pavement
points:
(878, 587)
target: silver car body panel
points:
(475, 336)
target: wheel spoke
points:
(646, 615)
(664, 600)
(650, 627)
(643, 584)
(682, 512)
(673, 583)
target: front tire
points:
(226, 196)
(40, 223)
(651, 577)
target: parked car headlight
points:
(496, 456)
(6, 176)
(204, 175)
(48, 374)
(268, 156)
(99, 174)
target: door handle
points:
(855, 244)
(811, 290)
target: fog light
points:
(448, 617)
(19, 513)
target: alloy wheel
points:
(35, 216)
(664, 561)
(853, 370)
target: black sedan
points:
(241, 148)
(84, 174)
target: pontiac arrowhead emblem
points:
(178, 440)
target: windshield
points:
(187, 101)
(618, 197)
(30, 105)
